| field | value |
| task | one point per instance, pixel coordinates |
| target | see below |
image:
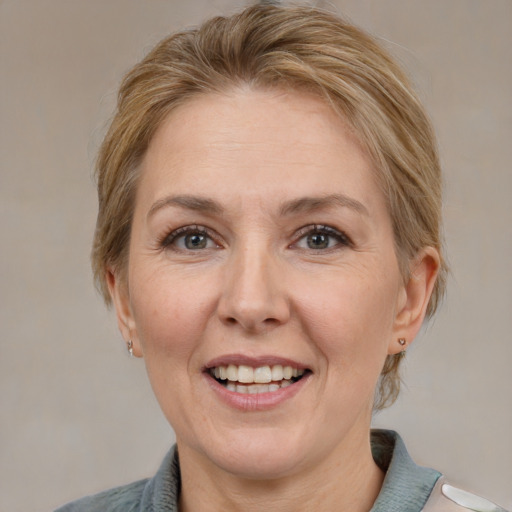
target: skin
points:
(260, 287)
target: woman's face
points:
(263, 287)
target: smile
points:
(262, 379)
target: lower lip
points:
(258, 401)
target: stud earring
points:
(402, 342)
(129, 346)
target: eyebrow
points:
(198, 204)
(301, 205)
(312, 204)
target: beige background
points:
(76, 414)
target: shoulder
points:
(152, 494)
(126, 498)
(447, 498)
(409, 487)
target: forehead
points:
(256, 142)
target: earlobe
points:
(120, 298)
(414, 299)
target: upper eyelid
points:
(173, 235)
(343, 240)
(305, 230)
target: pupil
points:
(318, 241)
(196, 241)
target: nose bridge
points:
(252, 293)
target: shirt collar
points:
(406, 486)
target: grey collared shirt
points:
(406, 486)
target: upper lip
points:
(255, 362)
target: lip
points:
(259, 401)
(255, 362)
(256, 402)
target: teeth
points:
(277, 372)
(241, 389)
(254, 389)
(263, 379)
(232, 373)
(263, 374)
(245, 374)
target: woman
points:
(269, 234)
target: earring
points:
(402, 342)
(129, 346)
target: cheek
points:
(169, 315)
(350, 319)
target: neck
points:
(347, 480)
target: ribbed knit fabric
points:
(406, 486)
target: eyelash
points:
(169, 241)
(341, 238)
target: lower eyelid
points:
(171, 238)
(341, 237)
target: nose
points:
(254, 293)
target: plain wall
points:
(76, 414)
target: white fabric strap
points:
(446, 498)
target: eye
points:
(320, 238)
(190, 238)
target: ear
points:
(118, 289)
(414, 298)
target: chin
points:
(257, 455)
(279, 463)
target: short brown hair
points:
(296, 47)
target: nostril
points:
(254, 313)
(252, 325)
